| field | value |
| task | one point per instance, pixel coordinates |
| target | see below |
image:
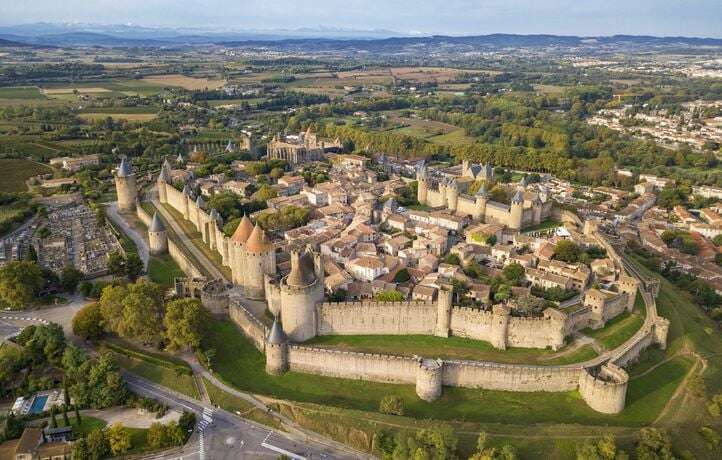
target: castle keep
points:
(527, 207)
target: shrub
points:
(392, 405)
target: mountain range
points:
(92, 35)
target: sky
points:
(700, 18)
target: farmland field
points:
(190, 83)
(21, 92)
(118, 116)
(17, 171)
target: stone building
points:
(301, 148)
(527, 207)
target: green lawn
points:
(620, 329)
(16, 171)
(163, 270)
(430, 346)
(161, 375)
(87, 424)
(241, 365)
(546, 225)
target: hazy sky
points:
(453, 17)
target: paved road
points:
(140, 243)
(222, 435)
(60, 314)
(185, 241)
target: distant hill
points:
(12, 43)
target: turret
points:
(465, 168)
(480, 200)
(186, 202)
(259, 260)
(452, 194)
(164, 178)
(629, 286)
(301, 290)
(157, 236)
(276, 350)
(499, 326)
(125, 186)
(422, 185)
(516, 211)
(443, 313)
(236, 251)
(429, 379)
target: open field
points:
(21, 92)
(118, 116)
(59, 91)
(16, 171)
(189, 83)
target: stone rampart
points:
(510, 377)
(352, 365)
(535, 332)
(378, 318)
(183, 261)
(251, 327)
(143, 216)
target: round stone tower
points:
(235, 251)
(276, 350)
(125, 186)
(260, 260)
(157, 236)
(452, 195)
(480, 200)
(422, 185)
(164, 178)
(443, 312)
(301, 291)
(516, 211)
(429, 378)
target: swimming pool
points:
(38, 404)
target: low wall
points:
(251, 327)
(377, 318)
(351, 365)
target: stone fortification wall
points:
(378, 318)
(175, 198)
(510, 377)
(142, 215)
(183, 261)
(473, 323)
(351, 365)
(535, 333)
(251, 327)
(578, 320)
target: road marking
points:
(285, 452)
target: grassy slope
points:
(163, 270)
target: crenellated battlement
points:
(375, 304)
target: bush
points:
(392, 405)
(87, 322)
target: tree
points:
(184, 323)
(111, 306)
(514, 273)
(46, 344)
(78, 420)
(157, 436)
(81, 451)
(133, 266)
(392, 405)
(264, 193)
(53, 418)
(567, 251)
(452, 259)
(390, 296)
(97, 444)
(717, 240)
(118, 439)
(654, 444)
(402, 276)
(69, 278)
(88, 322)
(602, 449)
(66, 420)
(142, 313)
(20, 283)
(116, 263)
(187, 422)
